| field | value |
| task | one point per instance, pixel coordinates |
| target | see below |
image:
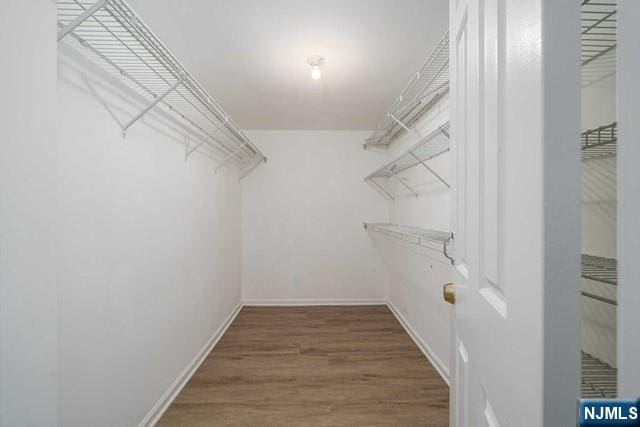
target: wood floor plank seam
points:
(313, 366)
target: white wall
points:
(302, 215)
(27, 214)
(599, 208)
(148, 250)
(416, 274)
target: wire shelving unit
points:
(601, 269)
(599, 22)
(416, 235)
(116, 38)
(429, 147)
(424, 89)
(599, 142)
(598, 42)
(599, 380)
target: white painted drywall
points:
(599, 208)
(416, 274)
(147, 252)
(27, 214)
(302, 215)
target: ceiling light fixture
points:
(316, 61)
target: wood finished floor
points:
(313, 366)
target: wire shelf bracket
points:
(416, 235)
(599, 142)
(150, 106)
(599, 29)
(423, 91)
(600, 269)
(226, 159)
(429, 147)
(118, 39)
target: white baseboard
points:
(440, 367)
(153, 416)
(312, 301)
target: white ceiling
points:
(251, 55)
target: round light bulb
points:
(316, 73)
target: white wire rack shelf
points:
(416, 235)
(600, 269)
(599, 142)
(431, 146)
(419, 95)
(598, 378)
(116, 38)
(599, 26)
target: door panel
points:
(511, 274)
(493, 34)
(462, 375)
(460, 41)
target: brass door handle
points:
(449, 293)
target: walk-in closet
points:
(319, 213)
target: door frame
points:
(628, 175)
(543, 55)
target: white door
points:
(515, 129)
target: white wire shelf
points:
(599, 26)
(416, 235)
(117, 39)
(419, 95)
(431, 146)
(599, 142)
(598, 378)
(600, 269)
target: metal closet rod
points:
(421, 235)
(151, 50)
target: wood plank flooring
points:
(313, 366)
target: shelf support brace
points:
(599, 298)
(191, 150)
(151, 105)
(405, 127)
(187, 145)
(209, 136)
(255, 165)
(444, 131)
(405, 185)
(80, 19)
(429, 169)
(382, 189)
(226, 159)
